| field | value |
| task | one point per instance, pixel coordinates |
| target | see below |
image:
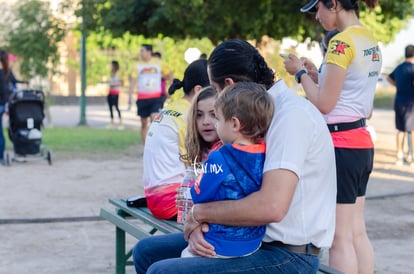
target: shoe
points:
(110, 126)
(121, 127)
(400, 159)
(410, 160)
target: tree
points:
(34, 36)
(220, 20)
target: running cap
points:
(310, 6)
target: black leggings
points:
(113, 102)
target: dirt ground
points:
(49, 214)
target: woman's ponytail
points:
(176, 84)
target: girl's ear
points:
(228, 82)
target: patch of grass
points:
(83, 139)
(87, 140)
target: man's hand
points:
(190, 224)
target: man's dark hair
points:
(409, 51)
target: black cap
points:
(310, 6)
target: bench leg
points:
(120, 258)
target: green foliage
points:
(220, 20)
(34, 37)
(119, 27)
(102, 48)
(388, 19)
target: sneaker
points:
(400, 159)
(410, 160)
(110, 126)
(121, 127)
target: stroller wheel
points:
(49, 157)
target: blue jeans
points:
(2, 140)
(161, 254)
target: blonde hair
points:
(195, 145)
(251, 104)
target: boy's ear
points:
(236, 124)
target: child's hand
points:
(197, 244)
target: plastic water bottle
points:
(188, 181)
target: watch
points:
(299, 74)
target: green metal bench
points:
(124, 218)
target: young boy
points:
(243, 112)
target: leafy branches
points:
(34, 36)
(220, 20)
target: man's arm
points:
(269, 204)
(390, 80)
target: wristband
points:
(299, 74)
(192, 215)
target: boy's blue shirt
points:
(231, 173)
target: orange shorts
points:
(161, 201)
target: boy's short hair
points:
(250, 103)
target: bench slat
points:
(143, 214)
(124, 224)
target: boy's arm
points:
(214, 173)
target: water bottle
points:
(188, 181)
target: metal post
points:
(120, 240)
(82, 121)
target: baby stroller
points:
(26, 115)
